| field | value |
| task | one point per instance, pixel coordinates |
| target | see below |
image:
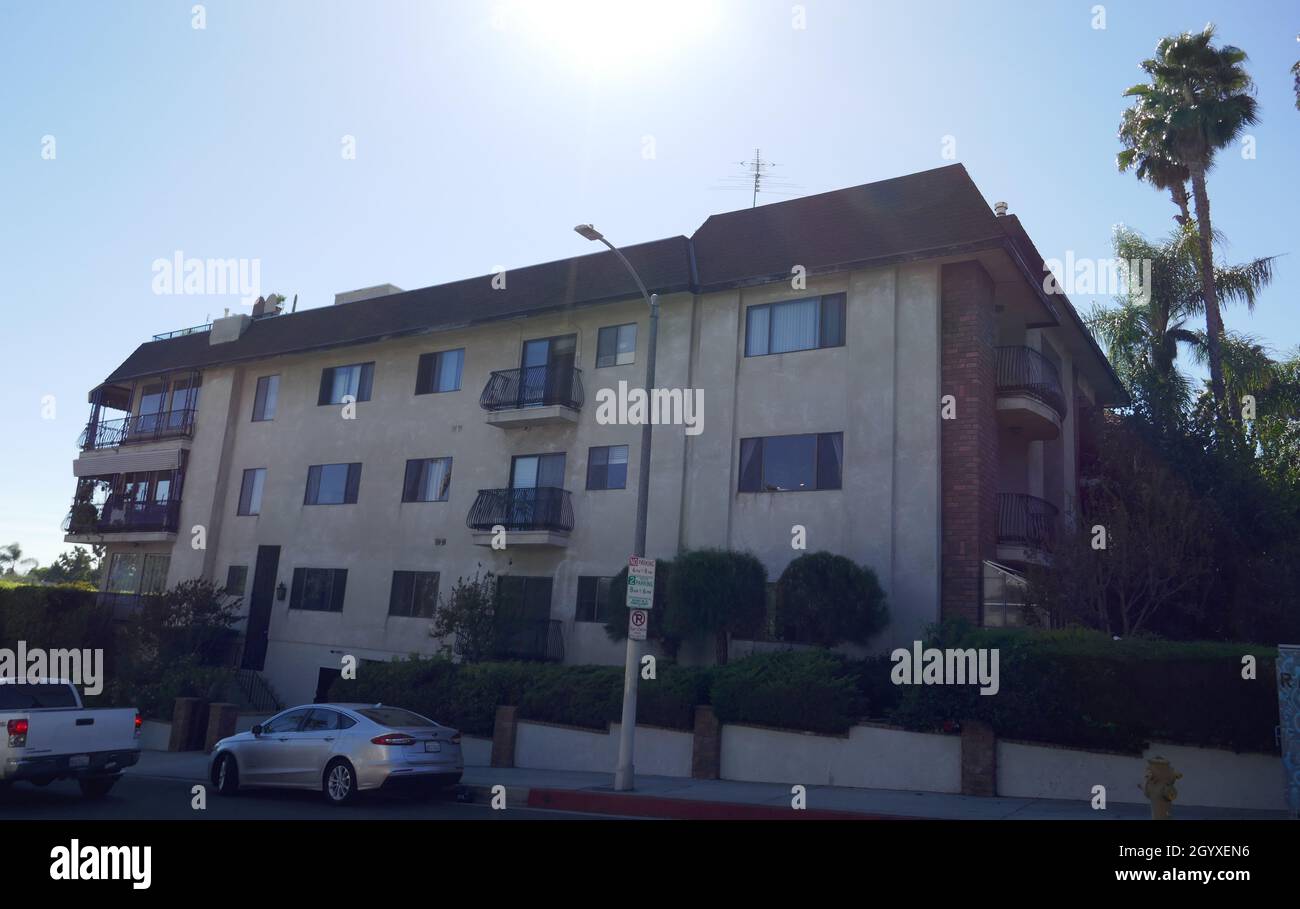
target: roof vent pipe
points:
(1000, 209)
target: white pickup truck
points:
(47, 734)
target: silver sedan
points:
(340, 750)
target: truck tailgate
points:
(77, 731)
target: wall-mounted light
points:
(281, 591)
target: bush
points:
(716, 592)
(616, 625)
(810, 690)
(823, 598)
(1083, 689)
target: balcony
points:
(1026, 529)
(533, 396)
(1030, 398)
(122, 519)
(539, 516)
(137, 429)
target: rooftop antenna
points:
(757, 178)
(294, 308)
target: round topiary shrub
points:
(823, 598)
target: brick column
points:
(185, 720)
(706, 752)
(969, 442)
(504, 729)
(979, 759)
(222, 719)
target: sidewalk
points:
(672, 797)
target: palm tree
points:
(1199, 100)
(1143, 154)
(11, 559)
(1144, 332)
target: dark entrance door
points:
(259, 606)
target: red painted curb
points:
(591, 802)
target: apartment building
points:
(879, 365)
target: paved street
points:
(138, 797)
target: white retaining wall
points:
(1211, 778)
(546, 746)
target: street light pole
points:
(623, 773)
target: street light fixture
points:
(623, 776)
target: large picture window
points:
(791, 463)
(773, 328)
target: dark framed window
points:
(318, 589)
(616, 345)
(772, 328)
(414, 593)
(332, 484)
(607, 467)
(264, 401)
(439, 371)
(594, 603)
(791, 463)
(236, 579)
(250, 491)
(427, 480)
(337, 382)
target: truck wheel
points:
(225, 776)
(96, 787)
(340, 783)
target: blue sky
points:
(484, 131)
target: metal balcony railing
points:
(1023, 370)
(120, 515)
(533, 386)
(181, 332)
(538, 508)
(138, 428)
(1025, 520)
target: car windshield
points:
(36, 696)
(395, 716)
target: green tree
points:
(1199, 100)
(76, 566)
(716, 592)
(468, 611)
(616, 623)
(11, 559)
(823, 598)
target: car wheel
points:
(96, 787)
(340, 782)
(225, 776)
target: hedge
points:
(1068, 688)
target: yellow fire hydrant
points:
(1158, 786)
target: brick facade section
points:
(969, 442)
(706, 752)
(505, 729)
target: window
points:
(268, 392)
(594, 604)
(616, 345)
(332, 484)
(289, 721)
(321, 720)
(236, 579)
(607, 467)
(396, 717)
(791, 463)
(427, 480)
(318, 589)
(250, 491)
(439, 371)
(153, 581)
(414, 593)
(337, 382)
(124, 573)
(794, 325)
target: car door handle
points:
(329, 738)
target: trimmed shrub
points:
(616, 626)
(823, 598)
(810, 690)
(716, 592)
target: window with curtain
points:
(439, 372)
(337, 382)
(616, 345)
(332, 484)
(264, 401)
(772, 328)
(607, 467)
(791, 463)
(427, 480)
(250, 491)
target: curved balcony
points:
(1030, 397)
(538, 516)
(1026, 528)
(137, 429)
(533, 396)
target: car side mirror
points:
(257, 729)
